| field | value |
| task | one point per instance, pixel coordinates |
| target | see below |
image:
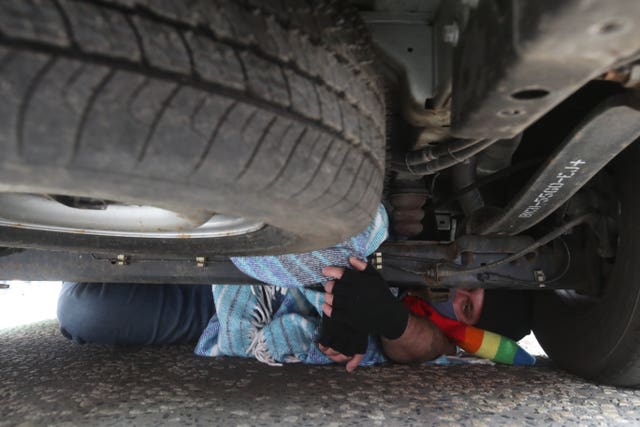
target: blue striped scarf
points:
(279, 323)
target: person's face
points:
(467, 305)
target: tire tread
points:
(252, 66)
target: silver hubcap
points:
(39, 212)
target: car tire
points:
(261, 110)
(599, 338)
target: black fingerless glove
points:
(342, 338)
(363, 301)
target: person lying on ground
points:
(138, 314)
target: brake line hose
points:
(448, 159)
(430, 153)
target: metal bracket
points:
(540, 277)
(407, 39)
(122, 259)
(443, 221)
(376, 260)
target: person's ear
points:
(467, 305)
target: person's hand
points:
(362, 300)
(341, 343)
(352, 362)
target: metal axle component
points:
(406, 264)
(516, 262)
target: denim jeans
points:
(134, 314)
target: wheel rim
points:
(46, 213)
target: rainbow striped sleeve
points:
(476, 341)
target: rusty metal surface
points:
(517, 60)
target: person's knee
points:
(84, 314)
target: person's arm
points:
(420, 341)
(362, 300)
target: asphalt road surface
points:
(47, 380)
